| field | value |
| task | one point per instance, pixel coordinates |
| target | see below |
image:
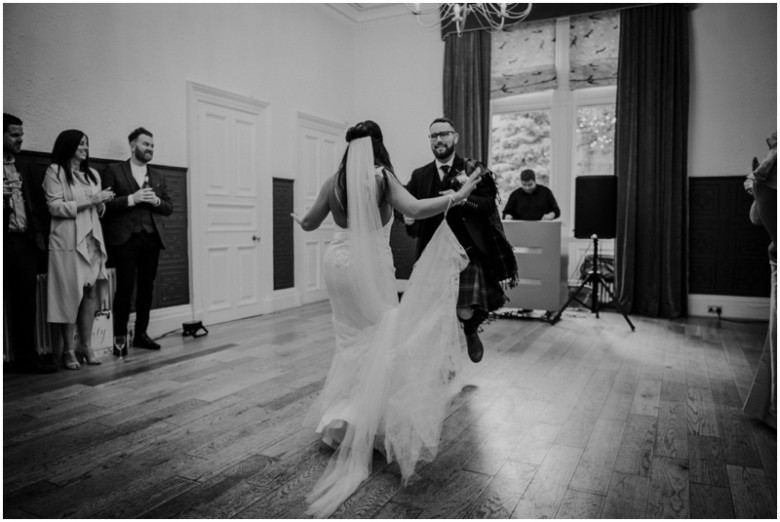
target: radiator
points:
(43, 330)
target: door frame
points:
(197, 93)
(306, 263)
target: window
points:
(563, 125)
(594, 139)
(520, 140)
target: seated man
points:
(531, 202)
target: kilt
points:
(478, 290)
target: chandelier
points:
(484, 16)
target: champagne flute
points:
(120, 341)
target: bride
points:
(389, 383)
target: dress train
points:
(390, 383)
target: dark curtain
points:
(467, 91)
(650, 161)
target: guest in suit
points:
(135, 234)
(23, 241)
(531, 202)
(477, 226)
(77, 252)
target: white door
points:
(230, 205)
(320, 148)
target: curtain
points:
(467, 91)
(650, 161)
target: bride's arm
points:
(319, 211)
(409, 206)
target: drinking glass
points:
(120, 341)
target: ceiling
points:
(364, 12)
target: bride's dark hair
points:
(363, 129)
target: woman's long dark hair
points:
(381, 156)
(65, 147)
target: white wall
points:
(398, 83)
(108, 68)
(733, 86)
(733, 108)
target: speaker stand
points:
(595, 279)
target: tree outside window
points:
(520, 140)
(595, 139)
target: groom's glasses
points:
(436, 135)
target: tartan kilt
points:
(478, 290)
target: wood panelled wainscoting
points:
(728, 254)
(582, 419)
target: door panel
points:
(321, 146)
(231, 237)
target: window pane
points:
(595, 139)
(520, 140)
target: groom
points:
(476, 224)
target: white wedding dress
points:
(392, 374)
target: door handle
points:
(256, 239)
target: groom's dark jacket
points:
(476, 223)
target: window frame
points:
(563, 103)
(601, 95)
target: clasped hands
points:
(146, 195)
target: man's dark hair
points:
(442, 120)
(528, 175)
(8, 120)
(137, 132)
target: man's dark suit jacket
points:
(119, 220)
(470, 222)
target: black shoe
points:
(144, 341)
(475, 348)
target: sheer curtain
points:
(651, 160)
(467, 91)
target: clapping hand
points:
(145, 195)
(102, 196)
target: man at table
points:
(531, 202)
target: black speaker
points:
(595, 206)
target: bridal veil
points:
(390, 380)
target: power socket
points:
(714, 310)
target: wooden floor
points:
(583, 419)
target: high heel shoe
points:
(69, 361)
(87, 356)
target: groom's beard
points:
(443, 151)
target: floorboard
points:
(581, 419)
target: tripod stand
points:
(595, 279)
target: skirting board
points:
(732, 307)
(164, 320)
(286, 299)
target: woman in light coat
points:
(77, 252)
